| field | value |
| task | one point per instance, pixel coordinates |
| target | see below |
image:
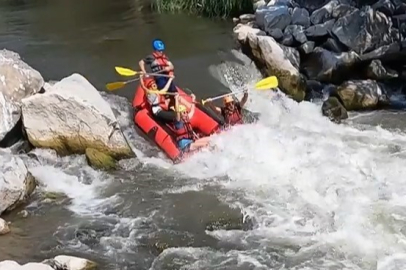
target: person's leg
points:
(184, 144)
(202, 142)
(161, 82)
(167, 116)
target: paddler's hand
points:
(167, 69)
(193, 97)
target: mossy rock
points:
(292, 85)
(67, 145)
(100, 160)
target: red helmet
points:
(149, 81)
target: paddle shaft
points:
(232, 93)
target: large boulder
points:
(326, 66)
(16, 183)
(12, 265)
(276, 60)
(364, 30)
(17, 81)
(361, 95)
(71, 117)
(273, 17)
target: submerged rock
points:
(17, 81)
(334, 110)
(16, 183)
(75, 263)
(4, 229)
(71, 117)
(276, 60)
(100, 160)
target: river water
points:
(317, 195)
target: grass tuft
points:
(208, 8)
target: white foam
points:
(310, 182)
(82, 184)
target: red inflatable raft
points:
(204, 121)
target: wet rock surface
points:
(341, 42)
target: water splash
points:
(324, 195)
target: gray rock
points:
(300, 16)
(17, 81)
(319, 30)
(307, 47)
(363, 30)
(377, 71)
(324, 13)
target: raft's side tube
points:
(202, 119)
(144, 120)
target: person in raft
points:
(148, 84)
(158, 62)
(186, 139)
(232, 110)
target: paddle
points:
(126, 71)
(264, 84)
(129, 72)
(218, 97)
(267, 83)
(117, 85)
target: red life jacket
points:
(186, 132)
(234, 118)
(162, 62)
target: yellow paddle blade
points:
(126, 71)
(267, 83)
(115, 85)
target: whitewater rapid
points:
(325, 195)
(320, 195)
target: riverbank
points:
(352, 55)
(209, 8)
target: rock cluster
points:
(349, 49)
(70, 116)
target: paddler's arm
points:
(170, 66)
(176, 108)
(142, 84)
(192, 108)
(147, 60)
(165, 89)
(211, 105)
(244, 99)
(141, 63)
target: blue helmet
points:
(158, 45)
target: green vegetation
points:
(209, 8)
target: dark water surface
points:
(91, 37)
(319, 195)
